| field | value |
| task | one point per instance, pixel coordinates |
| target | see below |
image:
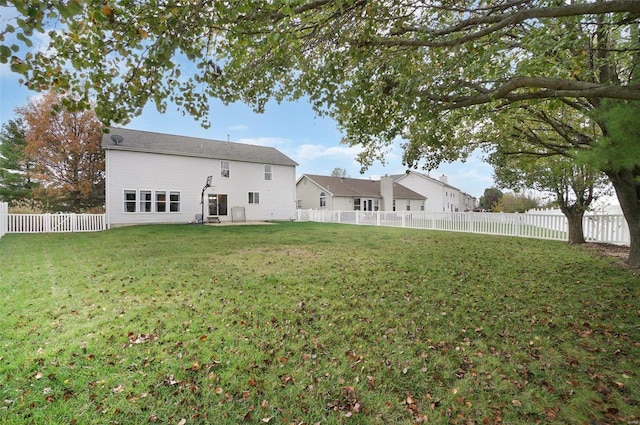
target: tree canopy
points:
(382, 68)
(64, 150)
(430, 73)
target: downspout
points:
(107, 190)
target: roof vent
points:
(117, 139)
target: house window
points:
(356, 204)
(129, 201)
(217, 204)
(268, 172)
(394, 204)
(323, 199)
(408, 205)
(161, 201)
(299, 204)
(145, 201)
(254, 197)
(376, 204)
(224, 169)
(174, 201)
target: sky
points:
(292, 128)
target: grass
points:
(313, 323)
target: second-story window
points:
(268, 172)
(224, 169)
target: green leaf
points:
(71, 9)
(5, 53)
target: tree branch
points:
(497, 22)
(551, 88)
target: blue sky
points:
(293, 128)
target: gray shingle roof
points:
(339, 186)
(169, 144)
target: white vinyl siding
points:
(183, 177)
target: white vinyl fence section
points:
(4, 218)
(597, 228)
(55, 223)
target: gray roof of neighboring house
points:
(340, 186)
(169, 144)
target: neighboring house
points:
(469, 203)
(440, 195)
(337, 193)
(161, 178)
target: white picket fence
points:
(49, 223)
(597, 228)
(4, 218)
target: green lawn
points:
(310, 323)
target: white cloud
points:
(239, 127)
(275, 142)
(309, 152)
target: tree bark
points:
(574, 219)
(628, 191)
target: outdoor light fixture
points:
(207, 185)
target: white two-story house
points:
(440, 195)
(163, 178)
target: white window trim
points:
(252, 198)
(179, 202)
(140, 201)
(124, 201)
(222, 169)
(270, 173)
(154, 206)
(155, 201)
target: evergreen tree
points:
(15, 183)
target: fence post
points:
(4, 218)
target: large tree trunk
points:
(628, 191)
(574, 219)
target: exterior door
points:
(217, 204)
